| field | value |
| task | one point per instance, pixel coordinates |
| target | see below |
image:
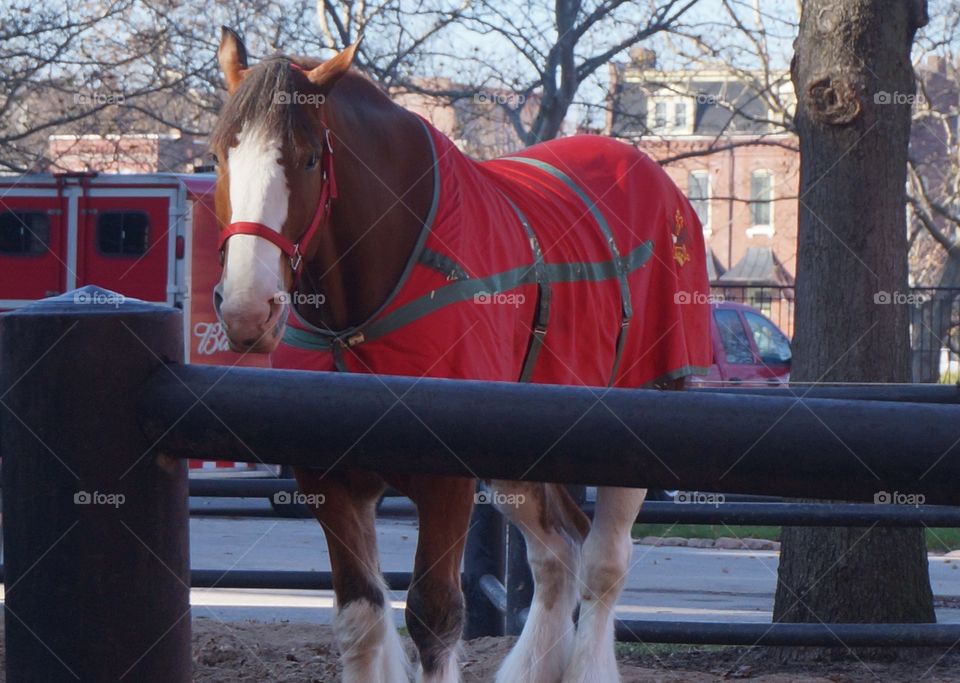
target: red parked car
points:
(748, 349)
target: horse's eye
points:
(214, 159)
(312, 161)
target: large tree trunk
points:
(851, 249)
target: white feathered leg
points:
(370, 646)
(604, 564)
(553, 548)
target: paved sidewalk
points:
(669, 583)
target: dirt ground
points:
(254, 652)
(306, 653)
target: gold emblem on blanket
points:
(680, 254)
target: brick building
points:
(124, 153)
(721, 137)
(477, 121)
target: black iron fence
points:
(774, 302)
(935, 334)
(934, 323)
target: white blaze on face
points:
(258, 194)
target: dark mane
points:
(258, 100)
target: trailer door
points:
(125, 242)
(32, 247)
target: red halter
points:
(294, 251)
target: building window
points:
(660, 115)
(122, 233)
(680, 115)
(698, 192)
(761, 203)
(24, 233)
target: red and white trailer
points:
(152, 237)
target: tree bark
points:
(853, 77)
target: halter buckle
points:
(296, 259)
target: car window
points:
(736, 344)
(772, 344)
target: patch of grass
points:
(938, 540)
(770, 533)
(942, 540)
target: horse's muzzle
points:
(251, 326)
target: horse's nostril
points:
(249, 342)
(218, 302)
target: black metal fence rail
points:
(681, 512)
(755, 633)
(787, 635)
(222, 487)
(748, 437)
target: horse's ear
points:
(232, 56)
(328, 73)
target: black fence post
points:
(578, 492)
(96, 528)
(519, 582)
(484, 555)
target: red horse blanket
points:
(577, 261)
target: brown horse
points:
(331, 235)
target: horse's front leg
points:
(606, 559)
(553, 527)
(345, 505)
(435, 601)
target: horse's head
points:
(274, 182)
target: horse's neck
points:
(382, 162)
